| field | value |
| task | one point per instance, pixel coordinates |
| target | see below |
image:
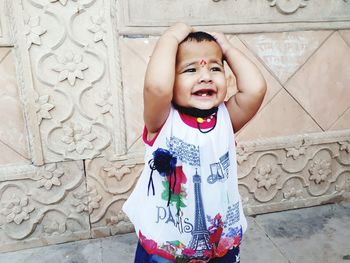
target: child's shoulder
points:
(150, 137)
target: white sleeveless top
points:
(204, 218)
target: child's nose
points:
(205, 75)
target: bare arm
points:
(251, 84)
(160, 75)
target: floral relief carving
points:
(68, 73)
(120, 217)
(78, 138)
(319, 171)
(267, 176)
(48, 176)
(292, 194)
(119, 223)
(87, 201)
(242, 155)
(99, 28)
(118, 170)
(17, 209)
(54, 227)
(295, 152)
(105, 102)
(242, 158)
(288, 6)
(345, 187)
(33, 31)
(42, 107)
(345, 146)
(70, 67)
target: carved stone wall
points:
(71, 77)
(68, 59)
(292, 172)
(42, 205)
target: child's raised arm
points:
(251, 84)
(160, 75)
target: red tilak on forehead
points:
(203, 62)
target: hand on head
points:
(180, 31)
(222, 41)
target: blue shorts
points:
(142, 256)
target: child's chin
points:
(206, 106)
(202, 105)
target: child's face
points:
(199, 78)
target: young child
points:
(186, 206)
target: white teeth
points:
(204, 95)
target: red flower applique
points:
(180, 179)
(225, 244)
(215, 229)
(236, 241)
(215, 236)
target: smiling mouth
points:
(204, 92)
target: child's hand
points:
(180, 31)
(222, 41)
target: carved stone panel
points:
(291, 172)
(242, 16)
(42, 205)
(109, 183)
(68, 60)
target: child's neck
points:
(194, 112)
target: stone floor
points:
(317, 234)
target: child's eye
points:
(215, 69)
(189, 70)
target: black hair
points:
(199, 36)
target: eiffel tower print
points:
(200, 234)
